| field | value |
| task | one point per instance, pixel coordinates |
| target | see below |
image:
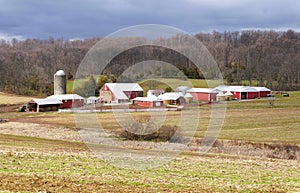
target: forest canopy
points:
(266, 58)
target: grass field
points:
(33, 164)
(162, 83)
(10, 99)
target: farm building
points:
(41, 105)
(188, 98)
(69, 100)
(220, 96)
(172, 98)
(240, 92)
(156, 92)
(151, 101)
(203, 94)
(263, 91)
(228, 96)
(120, 92)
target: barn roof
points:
(260, 89)
(202, 90)
(119, 88)
(46, 101)
(66, 97)
(236, 88)
(170, 96)
(147, 99)
(228, 93)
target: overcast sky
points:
(70, 19)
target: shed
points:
(151, 101)
(120, 92)
(41, 105)
(69, 100)
(228, 96)
(220, 96)
(188, 98)
(203, 94)
(172, 98)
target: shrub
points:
(138, 132)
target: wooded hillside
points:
(267, 58)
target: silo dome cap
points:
(60, 73)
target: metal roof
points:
(148, 99)
(202, 90)
(228, 93)
(46, 101)
(170, 96)
(119, 88)
(67, 97)
(236, 88)
(220, 94)
(60, 73)
(258, 88)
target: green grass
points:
(29, 164)
(163, 83)
(186, 174)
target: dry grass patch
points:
(10, 99)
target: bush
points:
(138, 132)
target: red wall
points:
(253, 95)
(200, 96)
(147, 103)
(264, 93)
(236, 95)
(70, 103)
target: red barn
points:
(263, 91)
(203, 94)
(69, 100)
(240, 92)
(120, 92)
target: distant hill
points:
(268, 58)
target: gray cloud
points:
(92, 18)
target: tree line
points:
(265, 58)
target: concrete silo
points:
(60, 83)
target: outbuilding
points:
(220, 96)
(69, 100)
(203, 94)
(172, 98)
(151, 101)
(188, 98)
(42, 105)
(228, 96)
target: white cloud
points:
(8, 37)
